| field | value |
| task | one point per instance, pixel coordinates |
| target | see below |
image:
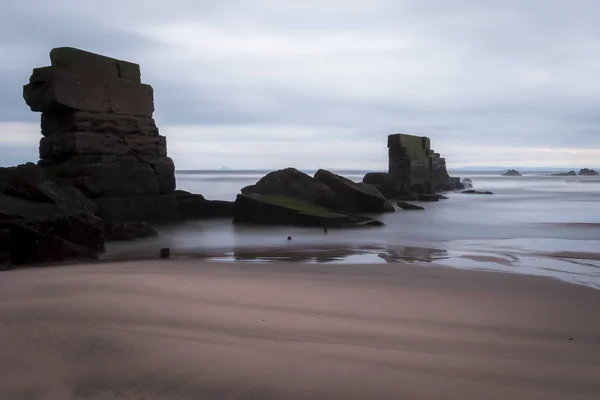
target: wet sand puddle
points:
(574, 262)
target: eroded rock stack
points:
(414, 164)
(99, 134)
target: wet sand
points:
(187, 329)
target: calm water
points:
(534, 224)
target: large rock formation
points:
(98, 131)
(100, 137)
(413, 163)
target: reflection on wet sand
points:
(413, 254)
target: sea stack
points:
(413, 163)
(99, 134)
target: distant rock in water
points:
(475, 192)
(588, 172)
(407, 206)
(570, 173)
(511, 172)
(467, 183)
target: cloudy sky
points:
(276, 83)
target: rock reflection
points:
(411, 254)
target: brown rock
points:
(88, 143)
(93, 65)
(53, 89)
(56, 123)
(354, 197)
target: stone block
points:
(150, 208)
(57, 123)
(97, 66)
(106, 175)
(53, 89)
(165, 172)
(88, 143)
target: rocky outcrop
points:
(31, 246)
(82, 229)
(354, 197)
(195, 206)
(389, 187)
(511, 172)
(570, 173)
(280, 210)
(98, 132)
(26, 192)
(588, 172)
(470, 191)
(408, 206)
(290, 182)
(57, 218)
(414, 164)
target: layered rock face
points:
(414, 164)
(98, 131)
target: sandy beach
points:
(186, 329)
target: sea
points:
(535, 224)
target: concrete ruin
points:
(98, 131)
(412, 162)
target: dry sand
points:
(185, 329)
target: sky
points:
(320, 84)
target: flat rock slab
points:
(407, 206)
(280, 210)
(57, 123)
(88, 143)
(97, 66)
(52, 89)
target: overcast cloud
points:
(253, 84)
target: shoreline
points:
(573, 266)
(185, 329)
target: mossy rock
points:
(281, 210)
